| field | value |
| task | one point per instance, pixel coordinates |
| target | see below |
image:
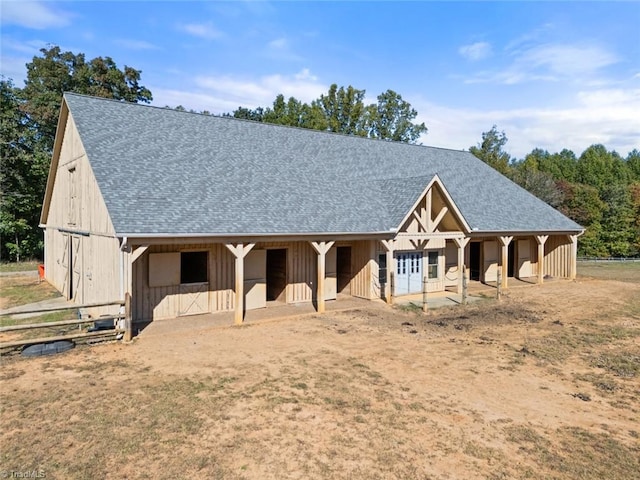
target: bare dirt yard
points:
(544, 384)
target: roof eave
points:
(177, 238)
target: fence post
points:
(425, 305)
(499, 284)
(465, 285)
(128, 323)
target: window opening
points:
(432, 269)
(194, 267)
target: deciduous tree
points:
(490, 150)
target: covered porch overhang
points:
(240, 247)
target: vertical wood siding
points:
(363, 265)
(99, 254)
(557, 256)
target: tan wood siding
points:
(557, 256)
(164, 302)
(363, 265)
(92, 214)
(97, 265)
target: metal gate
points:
(408, 273)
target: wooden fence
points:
(125, 329)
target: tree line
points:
(600, 190)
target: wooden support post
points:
(425, 303)
(461, 243)
(573, 269)
(128, 320)
(541, 239)
(465, 285)
(504, 259)
(240, 251)
(499, 285)
(321, 248)
(388, 246)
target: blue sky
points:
(550, 74)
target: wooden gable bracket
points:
(321, 249)
(419, 244)
(424, 218)
(541, 240)
(504, 261)
(424, 215)
(239, 251)
(461, 243)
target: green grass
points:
(29, 266)
(17, 291)
(6, 320)
(621, 271)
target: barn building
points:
(193, 214)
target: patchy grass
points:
(573, 452)
(7, 320)
(620, 271)
(621, 364)
(346, 395)
(558, 346)
(30, 266)
(21, 290)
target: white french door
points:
(408, 273)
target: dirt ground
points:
(544, 384)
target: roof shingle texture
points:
(162, 171)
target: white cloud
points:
(225, 93)
(280, 49)
(279, 43)
(202, 30)
(135, 44)
(475, 51)
(36, 15)
(567, 60)
(547, 62)
(608, 117)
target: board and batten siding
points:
(364, 266)
(76, 205)
(158, 302)
(557, 256)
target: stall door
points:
(330, 274)
(491, 253)
(255, 279)
(524, 259)
(194, 299)
(408, 273)
(75, 269)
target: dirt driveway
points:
(545, 384)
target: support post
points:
(504, 259)
(388, 246)
(461, 243)
(425, 303)
(541, 239)
(128, 320)
(465, 285)
(240, 251)
(499, 285)
(573, 271)
(321, 248)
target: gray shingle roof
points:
(162, 171)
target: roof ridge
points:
(255, 122)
